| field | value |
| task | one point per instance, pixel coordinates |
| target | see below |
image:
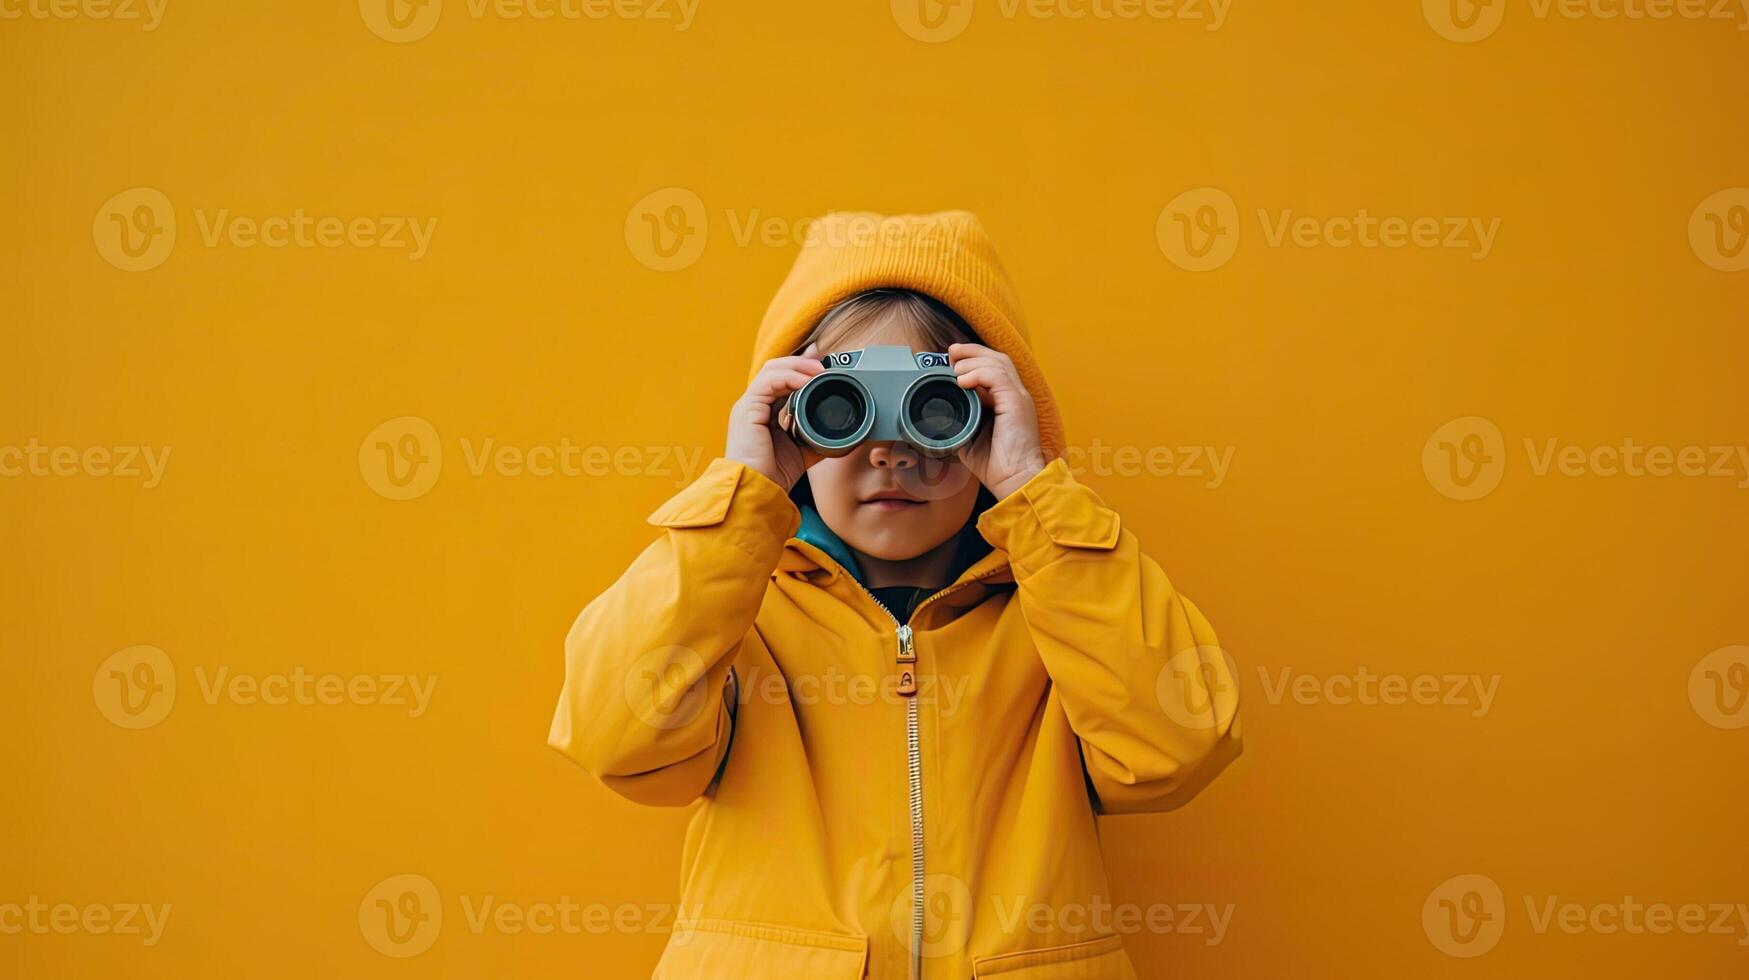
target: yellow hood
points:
(947, 255)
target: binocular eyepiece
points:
(885, 394)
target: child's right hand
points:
(758, 437)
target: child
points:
(903, 687)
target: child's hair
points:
(938, 324)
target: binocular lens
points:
(836, 410)
(939, 410)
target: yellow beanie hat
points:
(947, 255)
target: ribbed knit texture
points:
(947, 255)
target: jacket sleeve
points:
(1146, 687)
(645, 706)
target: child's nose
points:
(892, 455)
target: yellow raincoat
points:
(894, 800)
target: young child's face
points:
(883, 498)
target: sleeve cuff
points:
(729, 492)
(1049, 516)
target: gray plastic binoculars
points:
(884, 394)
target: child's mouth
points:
(892, 503)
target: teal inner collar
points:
(814, 531)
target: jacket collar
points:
(815, 546)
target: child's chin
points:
(892, 544)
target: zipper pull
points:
(907, 659)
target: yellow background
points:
(531, 319)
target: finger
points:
(994, 376)
(772, 383)
(797, 362)
(973, 363)
(984, 381)
(957, 351)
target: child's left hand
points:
(1008, 452)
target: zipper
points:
(906, 658)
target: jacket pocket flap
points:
(730, 948)
(702, 503)
(1095, 959)
(1074, 517)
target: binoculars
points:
(887, 394)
